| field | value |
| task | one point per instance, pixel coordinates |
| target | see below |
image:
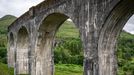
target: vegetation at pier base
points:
(68, 69)
(4, 70)
(68, 51)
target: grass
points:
(4, 23)
(4, 70)
(60, 69)
(67, 30)
(68, 69)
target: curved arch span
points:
(108, 36)
(46, 34)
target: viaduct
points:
(99, 22)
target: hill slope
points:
(4, 23)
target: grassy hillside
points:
(69, 53)
(68, 69)
(68, 30)
(4, 70)
(4, 23)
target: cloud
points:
(131, 20)
(129, 27)
(16, 7)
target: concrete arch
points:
(108, 36)
(52, 18)
(46, 34)
(21, 54)
(11, 49)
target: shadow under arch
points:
(109, 34)
(46, 34)
(21, 54)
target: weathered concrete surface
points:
(99, 23)
(11, 50)
(22, 52)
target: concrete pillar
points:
(44, 61)
(11, 50)
(22, 52)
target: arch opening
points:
(47, 42)
(68, 50)
(22, 52)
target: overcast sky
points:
(129, 27)
(18, 7)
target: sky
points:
(19, 7)
(129, 27)
(16, 7)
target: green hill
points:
(68, 30)
(4, 23)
